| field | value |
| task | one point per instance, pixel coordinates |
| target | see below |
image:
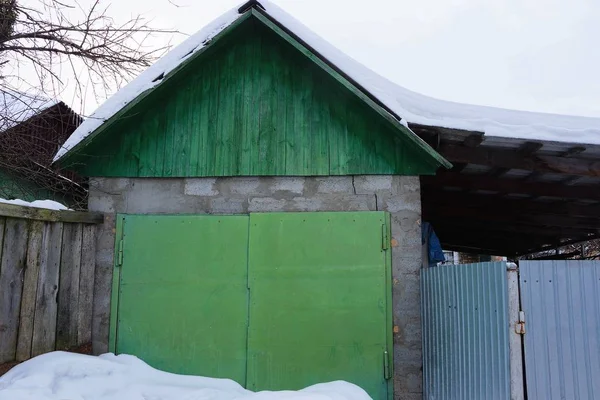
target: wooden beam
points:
(475, 182)
(490, 246)
(42, 214)
(507, 158)
(479, 250)
(459, 225)
(562, 256)
(582, 239)
(585, 223)
(433, 199)
(573, 151)
(473, 140)
(526, 149)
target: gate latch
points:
(520, 325)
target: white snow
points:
(67, 376)
(47, 204)
(16, 107)
(410, 106)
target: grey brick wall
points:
(400, 195)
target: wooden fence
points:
(46, 280)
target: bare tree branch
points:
(45, 46)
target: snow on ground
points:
(48, 204)
(68, 376)
(410, 106)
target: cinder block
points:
(201, 187)
(244, 186)
(335, 184)
(109, 185)
(307, 204)
(265, 204)
(409, 383)
(368, 184)
(400, 202)
(291, 184)
(222, 205)
(407, 396)
(101, 203)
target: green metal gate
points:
(274, 301)
(182, 302)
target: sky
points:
(536, 55)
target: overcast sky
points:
(538, 55)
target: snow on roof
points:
(17, 107)
(410, 106)
(60, 375)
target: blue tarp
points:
(434, 248)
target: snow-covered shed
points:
(262, 200)
(32, 130)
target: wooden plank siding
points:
(251, 105)
(46, 286)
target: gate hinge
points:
(386, 365)
(120, 253)
(385, 237)
(520, 325)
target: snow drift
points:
(68, 376)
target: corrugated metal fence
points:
(561, 300)
(465, 348)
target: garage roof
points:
(511, 196)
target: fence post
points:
(515, 339)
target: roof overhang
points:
(511, 196)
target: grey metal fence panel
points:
(561, 300)
(465, 332)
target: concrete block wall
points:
(399, 195)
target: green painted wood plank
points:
(226, 145)
(183, 131)
(194, 111)
(255, 81)
(248, 105)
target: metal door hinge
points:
(385, 237)
(386, 366)
(120, 253)
(520, 325)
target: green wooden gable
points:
(253, 102)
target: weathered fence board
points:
(12, 269)
(47, 268)
(30, 284)
(68, 295)
(41, 214)
(86, 284)
(44, 332)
